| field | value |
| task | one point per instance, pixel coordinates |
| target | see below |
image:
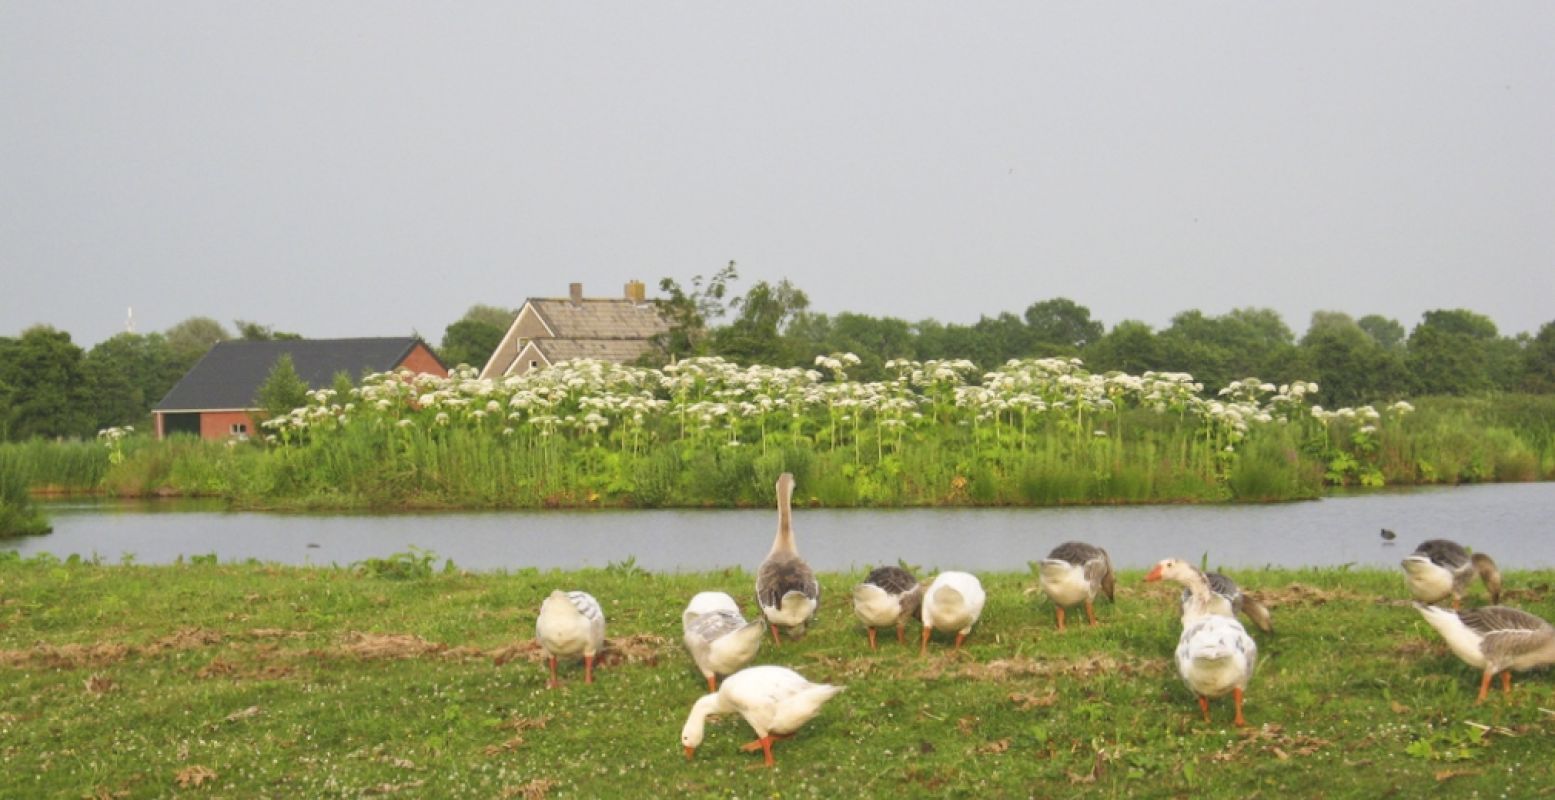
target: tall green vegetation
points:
(19, 515)
(283, 389)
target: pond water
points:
(1512, 522)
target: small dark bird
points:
(1388, 536)
(313, 544)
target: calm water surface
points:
(1512, 522)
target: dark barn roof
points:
(229, 376)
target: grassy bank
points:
(402, 679)
(19, 515)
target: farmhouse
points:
(548, 330)
(216, 399)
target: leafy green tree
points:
(126, 375)
(756, 334)
(1131, 346)
(254, 332)
(283, 389)
(192, 338)
(1061, 326)
(1451, 352)
(42, 375)
(1217, 350)
(691, 313)
(1350, 366)
(1386, 332)
(470, 341)
(1539, 361)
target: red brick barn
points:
(216, 399)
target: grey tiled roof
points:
(229, 376)
(619, 351)
(600, 318)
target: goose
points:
(718, 637)
(1215, 656)
(1439, 569)
(570, 624)
(1073, 573)
(888, 596)
(786, 588)
(775, 701)
(1238, 601)
(953, 602)
(1495, 639)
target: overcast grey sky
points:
(346, 169)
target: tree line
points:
(51, 387)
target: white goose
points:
(786, 588)
(1072, 574)
(953, 602)
(1215, 656)
(571, 624)
(718, 637)
(888, 596)
(1494, 639)
(776, 701)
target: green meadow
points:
(404, 677)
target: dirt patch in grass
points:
(65, 656)
(1272, 740)
(183, 639)
(1300, 594)
(536, 789)
(1005, 669)
(370, 646)
(639, 648)
(277, 633)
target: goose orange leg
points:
(924, 650)
(1506, 683)
(764, 744)
(1090, 613)
(1060, 617)
(872, 638)
(553, 683)
(960, 637)
(1236, 695)
(901, 633)
(588, 669)
(776, 642)
(1484, 685)
(1204, 704)
(712, 683)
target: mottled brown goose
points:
(1072, 574)
(786, 589)
(889, 596)
(1495, 639)
(1440, 568)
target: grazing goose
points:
(1073, 573)
(1495, 639)
(1439, 569)
(889, 596)
(1216, 656)
(953, 602)
(1238, 601)
(719, 638)
(570, 624)
(786, 589)
(776, 701)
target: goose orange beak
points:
(1155, 574)
(690, 751)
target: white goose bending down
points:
(1495, 639)
(1072, 574)
(1440, 568)
(776, 701)
(786, 588)
(889, 596)
(718, 637)
(571, 624)
(953, 602)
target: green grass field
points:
(226, 680)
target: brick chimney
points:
(575, 290)
(636, 292)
